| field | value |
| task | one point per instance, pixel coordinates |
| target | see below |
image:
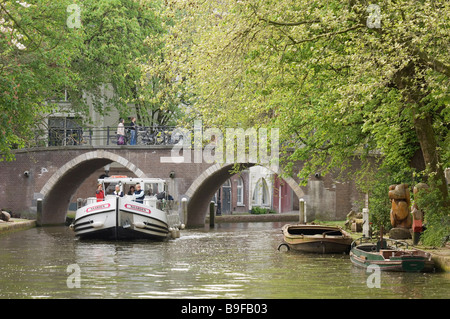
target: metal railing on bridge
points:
(101, 136)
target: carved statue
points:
(400, 201)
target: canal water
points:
(230, 261)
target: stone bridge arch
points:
(201, 191)
(62, 185)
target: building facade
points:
(256, 186)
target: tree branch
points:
(288, 24)
(328, 34)
(434, 64)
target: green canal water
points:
(231, 261)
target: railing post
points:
(107, 135)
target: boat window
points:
(148, 189)
(152, 188)
(109, 188)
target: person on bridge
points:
(99, 193)
(117, 191)
(133, 132)
(121, 133)
(139, 194)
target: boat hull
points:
(316, 239)
(120, 218)
(320, 246)
(391, 260)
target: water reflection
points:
(230, 261)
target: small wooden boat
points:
(390, 255)
(316, 239)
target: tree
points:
(88, 49)
(120, 48)
(338, 78)
(35, 54)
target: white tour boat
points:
(118, 217)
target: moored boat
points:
(123, 217)
(316, 238)
(390, 255)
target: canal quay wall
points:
(16, 224)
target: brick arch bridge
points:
(203, 188)
(54, 175)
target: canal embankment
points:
(245, 218)
(16, 224)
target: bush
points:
(380, 207)
(436, 217)
(260, 210)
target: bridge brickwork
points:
(54, 174)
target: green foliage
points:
(116, 48)
(436, 215)
(261, 210)
(315, 71)
(35, 50)
(335, 87)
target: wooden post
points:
(302, 211)
(211, 214)
(39, 211)
(184, 209)
(365, 229)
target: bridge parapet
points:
(106, 136)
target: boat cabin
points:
(155, 189)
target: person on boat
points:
(139, 194)
(117, 191)
(131, 191)
(99, 193)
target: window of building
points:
(261, 193)
(240, 191)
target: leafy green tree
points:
(118, 49)
(35, 54)
(338, 78)
(104, 53)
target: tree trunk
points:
(428, 144)
(407, 81)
